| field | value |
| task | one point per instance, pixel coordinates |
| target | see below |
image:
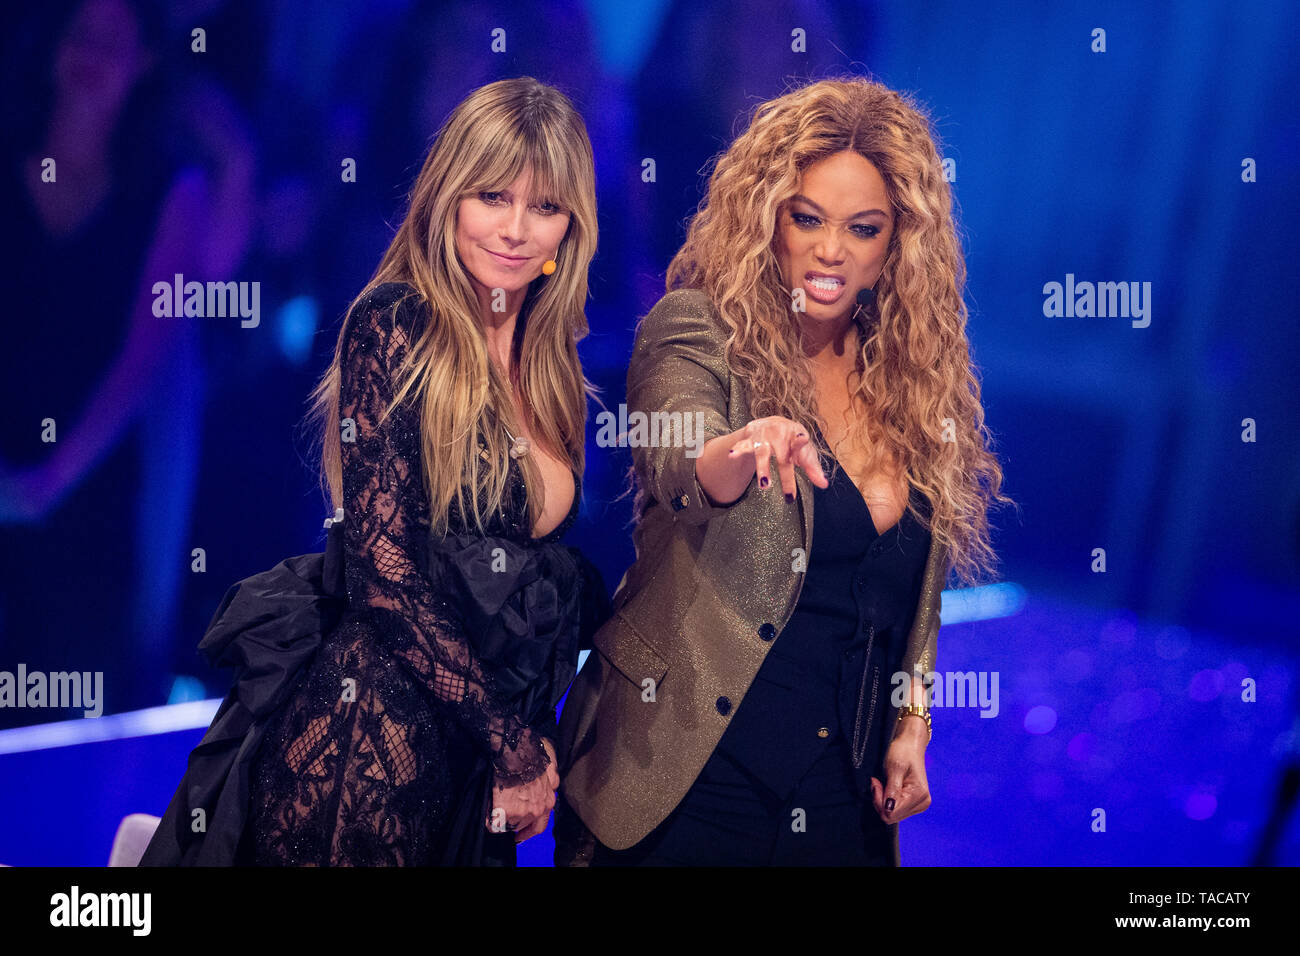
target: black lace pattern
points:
(366, 761)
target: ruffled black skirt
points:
(283, 632)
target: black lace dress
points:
(366, 727)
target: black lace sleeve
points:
(386, 524)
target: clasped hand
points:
(527, 806)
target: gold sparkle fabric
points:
(687, 635)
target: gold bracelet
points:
(919, 711)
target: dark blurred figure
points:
(93, 548)
(1286, 794)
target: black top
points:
(859, 598)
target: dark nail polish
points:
(889, 805)
(789, 496)
(762, 482)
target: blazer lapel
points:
(805, 509)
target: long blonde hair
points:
(496, 133)
(921, 390)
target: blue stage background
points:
(1169, 158)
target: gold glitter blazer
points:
(696, 613)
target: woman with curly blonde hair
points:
(736, 710)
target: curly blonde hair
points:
(914, 371)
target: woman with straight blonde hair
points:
(395, 695)
(759, 695)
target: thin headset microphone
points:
(866, 298)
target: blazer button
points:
(679, 503)
(724, 706)
(823, 732)
(766, 631)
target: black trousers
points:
(728, 818)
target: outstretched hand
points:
(730, 462)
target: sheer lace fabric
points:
(363, 764)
